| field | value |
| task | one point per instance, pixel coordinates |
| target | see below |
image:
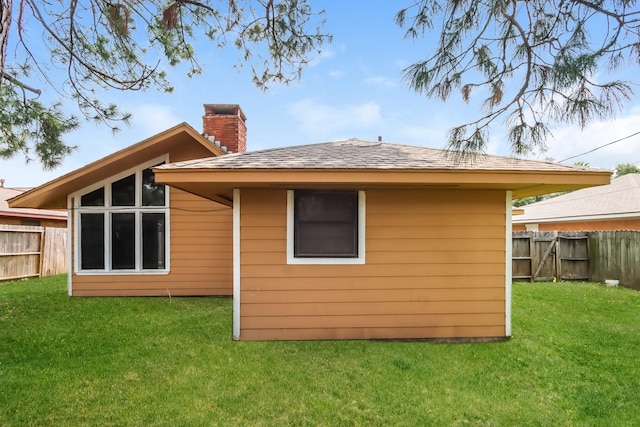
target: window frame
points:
(138, 210)
(361, 238)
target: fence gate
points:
(546, 256)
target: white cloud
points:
(336, 74)
(401, 64)
(18, 173)
(150, 119)
(570, 141)
(414, 134)
(380, 81)
(322, 119)
(93, 143)
(324, 55)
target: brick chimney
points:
(226, 123)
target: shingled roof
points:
(355, 163)
(361, 154)
(620, 198)
(6, 211)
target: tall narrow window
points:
(130, 212)
(326, 224)
(92, 241)
(123, 241)
(153, 238)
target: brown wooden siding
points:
(200, 256)
(435, 268)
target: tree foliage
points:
(534, 63)
(625, 168)
(98, 45)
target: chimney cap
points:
(224, 110)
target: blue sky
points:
(354, 89)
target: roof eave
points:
(53, 194)
(521, 183)
(17, 214)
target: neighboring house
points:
(32, 241)
(341, 240)
(609, 207)
(26, 216)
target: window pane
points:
(152, 193)
(95, 198)
(123, 192)
(123, 241)
(91, 241)
(326, 224)
(327, 206)
(153, 247)
(327, 240)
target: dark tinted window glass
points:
(91, 241)
(123, 191)
(152, 193)
(123, 241)
(153, 250)
(326, 224)
(95, 198)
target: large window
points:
(121, 226)
(325, 227)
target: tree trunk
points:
(5, 24)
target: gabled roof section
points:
(620, 199)
(6, 211)
(366, 164)
(176, 140)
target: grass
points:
(573, 360)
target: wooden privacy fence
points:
(32, 251)
(615, 255)
(550, 255)
(578, 255)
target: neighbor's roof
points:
(620, 199)
(6, 211)
(178, 141)
(366, 164)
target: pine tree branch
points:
(18, 83)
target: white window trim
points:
(236, 264)
(360, 259)
(508, 262)
(106, 210)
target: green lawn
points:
(573, 360)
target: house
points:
(609, 207)
(350, 239)
(26, 216)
